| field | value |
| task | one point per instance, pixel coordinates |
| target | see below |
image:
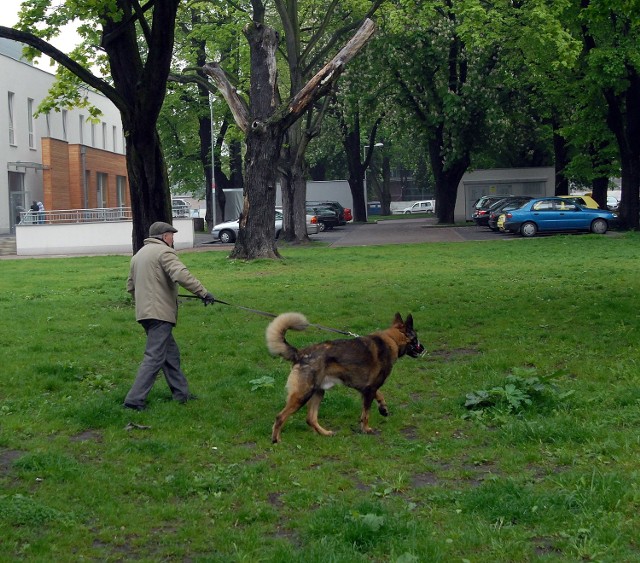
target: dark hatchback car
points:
(503, 206)
(480, 207)
(336, 206)
(327, 217)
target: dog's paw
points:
(383, 410)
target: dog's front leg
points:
(382, 405)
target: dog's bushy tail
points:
(276, 330)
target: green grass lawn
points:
(538, 337)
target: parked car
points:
(584, 200)
(480, 216)
(427, 206)
(313, 225)
(502, 206)
(180, 208)
(227, 232)
(486, 201)
(335, 205)
(556, 214)
(327, 217)
(613, 203)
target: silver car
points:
(227, 232)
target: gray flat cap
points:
(160, 228)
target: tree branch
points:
(78, 70)
(236, 104)
(323, 81)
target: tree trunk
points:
(623, 118)
(257, 236)
(599, 188)
(385, 195)
(294, 186)
(446, 179)
(561, 159)
(630, 191)
(150, 200)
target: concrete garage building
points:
(62, 159)
(536, 182)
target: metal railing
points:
(66, 216)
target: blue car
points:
(555, 214)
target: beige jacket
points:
(154, 277)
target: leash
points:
(272, 316)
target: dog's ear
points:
(409, 322)
(397, 320)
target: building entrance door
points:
(17, 199)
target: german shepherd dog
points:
(363, 363)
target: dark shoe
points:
(134, 407)
(189, 397)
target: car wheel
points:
(599, 227)
(227, 236)
(323, 227)
(528, 229)
(407, 212)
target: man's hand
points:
(208, 299)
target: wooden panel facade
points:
(69, 167)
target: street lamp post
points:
(364, 157)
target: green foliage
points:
(20, 510)
(522, 388)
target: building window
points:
(115, 139)
(93, 134)
(81, 119)
(104, 136)
(101, 193)
(64, 124)
(121, 186)
(12, 131)
(32, 142)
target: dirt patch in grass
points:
(451, 355)
(544, 547)
(410, 432)
(87, 436)
(7, 457)
(426, 479)
(275, 500)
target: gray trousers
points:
(161, 353)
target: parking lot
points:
(396, 231)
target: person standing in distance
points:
(154, 277)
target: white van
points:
(427, 206)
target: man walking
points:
(154, 277)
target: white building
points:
(22, 168)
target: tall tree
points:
(311, 31)
(204, 29)
(611, 35)
(445, 83)
(137, 42)
(264, 119)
